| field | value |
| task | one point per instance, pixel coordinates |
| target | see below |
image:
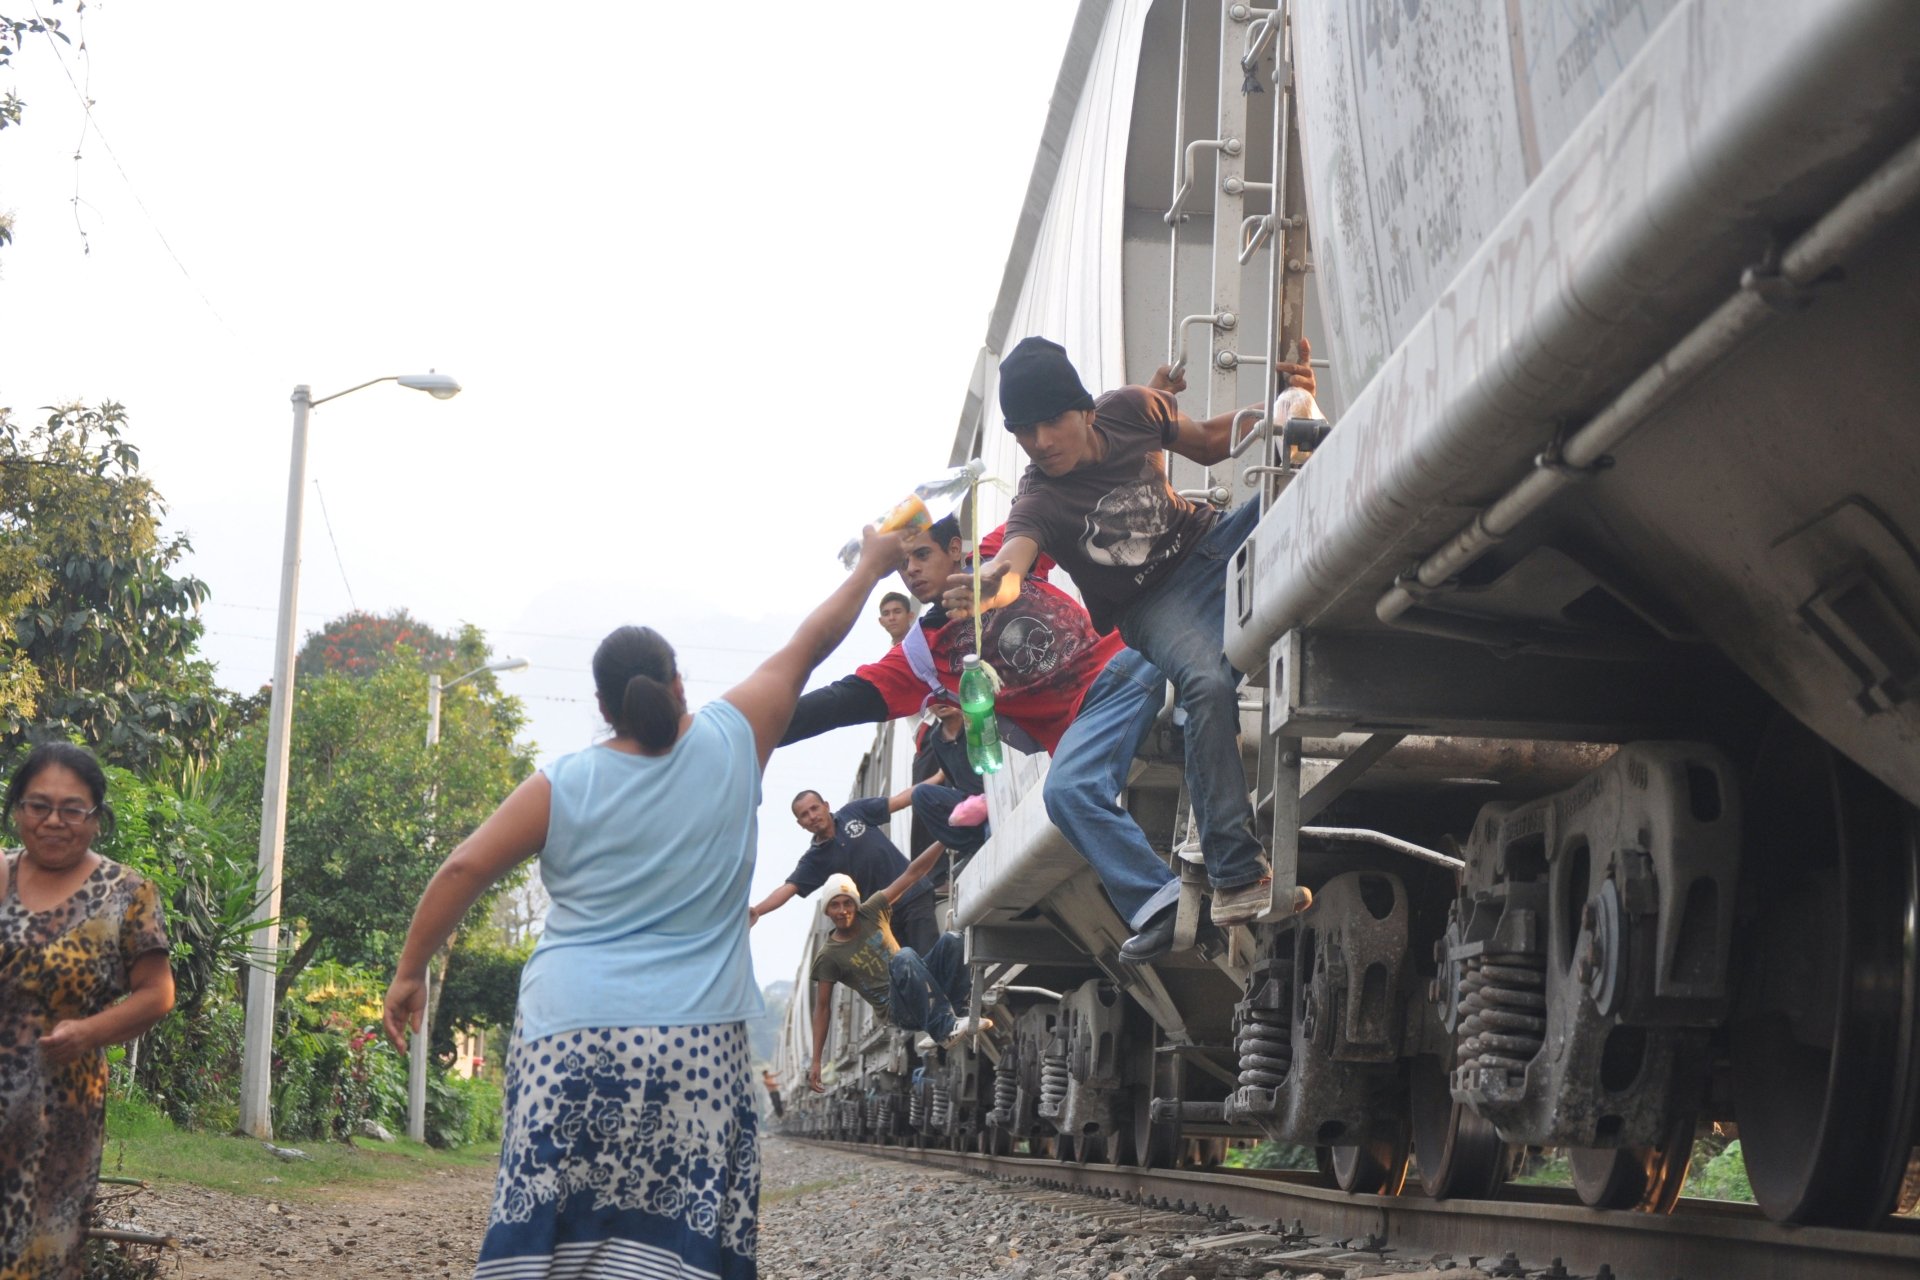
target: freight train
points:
(1580, 652)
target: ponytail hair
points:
(634, 674)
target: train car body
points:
(1580, 651)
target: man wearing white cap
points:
(912, 992)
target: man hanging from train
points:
(912, 991)
(852, 841)
(1149, 563)
(943, 778)
(1086, 698)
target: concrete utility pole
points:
(256, 1061)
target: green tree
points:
(98, 632)
(14, 32)
(360, 643)
(481, 987)
(371, 810)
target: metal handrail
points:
(1240, 445)
(1229, 145)
(1178, 364)
(1173, 232)
(1263, 234)
(1259, 36)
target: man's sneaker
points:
(964, 1027)
(923, 1044)
(1237, 906)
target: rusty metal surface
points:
(1703, 1240)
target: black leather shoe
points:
(1153, 941)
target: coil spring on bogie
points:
(1503, 1005)
(940, 1109)
(1265, 1046)
(1006, 1086)
(916, 1108)
(1053, 1084)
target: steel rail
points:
(1703, 1240)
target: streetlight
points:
(256, 1064)
(417, 1048)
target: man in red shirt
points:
(1085, 698)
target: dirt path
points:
(429, 1229)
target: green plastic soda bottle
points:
(976, 704)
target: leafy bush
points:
(461, 1112)
(183, 837)
(1269, 1155)
(189, 1065)
(332, 1067)
(1724, 1177)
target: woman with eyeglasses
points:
(83, 964)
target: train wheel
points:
(1155, 1146)
(1063, 1148)
(1647, 1179)
(1375, 1167)
(1457, 1154)
(1824, 1031)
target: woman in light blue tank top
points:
(630, 1131)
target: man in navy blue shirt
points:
(853, 841)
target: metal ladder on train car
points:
(1253, 41)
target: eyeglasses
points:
(40, 810)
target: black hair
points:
(896, 597)
(633, 672)
(65, 754)
(944, 530)
(804, 794)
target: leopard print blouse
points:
(70, 961)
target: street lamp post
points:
(417, 1048)
(256, 1064)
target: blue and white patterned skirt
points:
(629, 1151)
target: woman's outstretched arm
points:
(766, 697)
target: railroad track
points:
(1702, 1240)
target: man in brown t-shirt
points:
(1097, 499)
(913, 992)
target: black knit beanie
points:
(1037, 383)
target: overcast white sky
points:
(713, 277)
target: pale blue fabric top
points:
(648, 860)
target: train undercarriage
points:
(1581, 650)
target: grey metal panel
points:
(1423, 124)
(1733, 120)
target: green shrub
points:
(1270, 1155)
(1724, 1177)
(461, 1112)
(189, 1065)
(332, 1065)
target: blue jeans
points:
(933, 805)
(1089, 772)
(1181, 628)
(923, 993)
